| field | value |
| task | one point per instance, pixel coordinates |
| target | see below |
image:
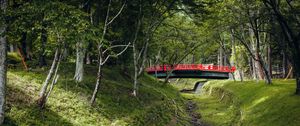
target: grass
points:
(156, 104)
(249, 103)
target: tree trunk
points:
(135, 79)
(3, 64)
(234, 54)
(42, 95)
(55, 77)
(79, 62)
(88, 58)
(284, 65)
(3, 76)
(11, 48)
(269, 51)
(220, 57)
(99, 78)
(262, 69)
(168, 72)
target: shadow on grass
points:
(114, 101)
(21, 109)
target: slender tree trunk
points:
(55, 77)
(235, 62)
(88, 58)
(11, 48)
(264, 73)
(169, 70)
(220, 57)
(135, 79)
(3, 64)
(99, 78)
(43, 91)
(292, 39)
(258, 65)
(254, 63)
(250, 68)
(284, 65)
(79, 62)
(269, 52)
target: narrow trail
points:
(191, 108)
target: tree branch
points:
(115, 55)
(116, 14)
(114, 46)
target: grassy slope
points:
(68, 103)
(249, 103)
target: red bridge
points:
(191, 71)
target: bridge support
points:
(197, 87)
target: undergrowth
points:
(156, 103)
(252, 103)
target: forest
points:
(86, 62)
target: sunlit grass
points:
(249, 103)
(69, 101)
(261, 104)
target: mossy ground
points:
(156, 103)
(249, 103)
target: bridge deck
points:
(191, 71)
(200, 67)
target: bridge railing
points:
(201, 67)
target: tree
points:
(150, 17)
(79, 70)
(59, 28)
(291, 33)
(3, 55)
(102, 59)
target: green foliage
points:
(68, 103)
(13, 58)
(179, 36)
(242, 57)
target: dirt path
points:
(191, 108)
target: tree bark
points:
(3, 72)
(135, 79)
(284, 65)
(11, 48)
(55, 77)
(3, 64)
(234, 54)
(79, 62)
(269, 52)
(226, 59)
(43, 91)
(88, 58)
(263, 71)
(99, 78)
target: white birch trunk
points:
(99, 77)
(49, 76)
(135, 81)
(79, 62)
